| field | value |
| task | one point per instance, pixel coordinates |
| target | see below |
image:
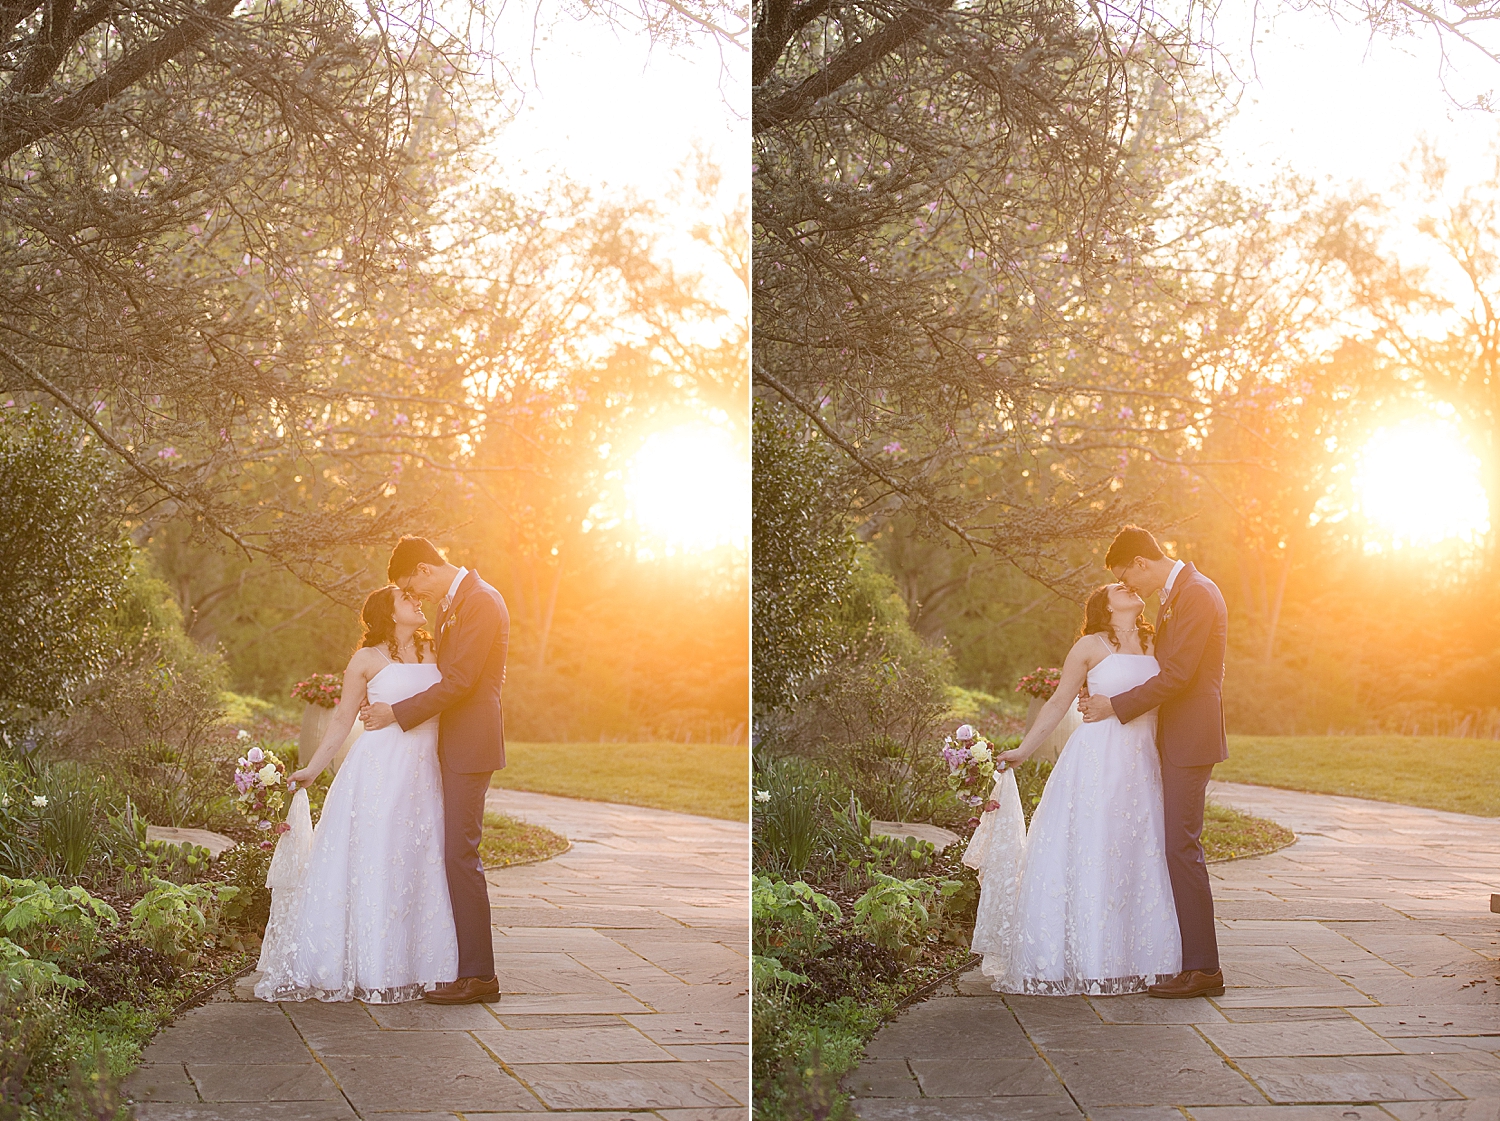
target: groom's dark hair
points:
(1132, 541)
(410, 552)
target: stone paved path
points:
(1363, 982)
(625, 979)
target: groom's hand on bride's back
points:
(377, 715)
(1095, 709)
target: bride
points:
(363, 912)
(1081, 903)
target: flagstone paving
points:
(1362, 982)
(624, 976)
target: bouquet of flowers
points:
(260, 778)
(321, 689)
(971, 760)
(1041, 682)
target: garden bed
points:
(1229, 834)
(509, 842)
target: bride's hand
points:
(304, 777)
(1012, 758)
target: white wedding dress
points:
(1081, 903)
(359, 905)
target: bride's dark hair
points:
(378, 617)
(1097, 620)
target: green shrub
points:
(789, 916)
(151, 723)
(897, 914)
(20, 830)
(245, 867)
(52, 922)
(65, 561)
(178, 920)
(24, 978)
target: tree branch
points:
(847, 64)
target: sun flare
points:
(1420, 484)
(688, 487)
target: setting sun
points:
(688, 486)
(1418, 482)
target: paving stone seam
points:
(1040, 1054)
(503, 1065)
(1227, 1060)
(317, 1058)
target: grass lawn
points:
(508, 841)
(1229, 834)
(1431, 771)
(712, 780)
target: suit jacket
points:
(473, 635)
(1188, 690)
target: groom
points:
(473, 633)
(1191, 628)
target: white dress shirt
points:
(462, 572)
(1166, 589)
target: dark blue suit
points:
(473, 637)
(1188, 694)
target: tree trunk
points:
(1273, 616)
(544, 632)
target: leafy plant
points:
(20, 842)
(766, 970)
(244, 867)
(58, 523)
(897, 914)
(789, 915)
(23, 977)
(788, 822)
(52, 922)
(69, 830)
(178, 919)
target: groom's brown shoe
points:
(466, 990)
(1188, 983)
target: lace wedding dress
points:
(359, 905)
(1082, 903)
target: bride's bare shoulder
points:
(1090, 649)
(367, 661)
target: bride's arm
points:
(1075, 669)
(356, 678)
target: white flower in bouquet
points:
(269, 775)
(981, 752)
(255, 755)
(243, 736)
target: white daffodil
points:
(39, 801)
(4, 801)
(243, 736)
(762, 795)
(269, 775)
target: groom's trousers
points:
(1183, 792)
(463, 829)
